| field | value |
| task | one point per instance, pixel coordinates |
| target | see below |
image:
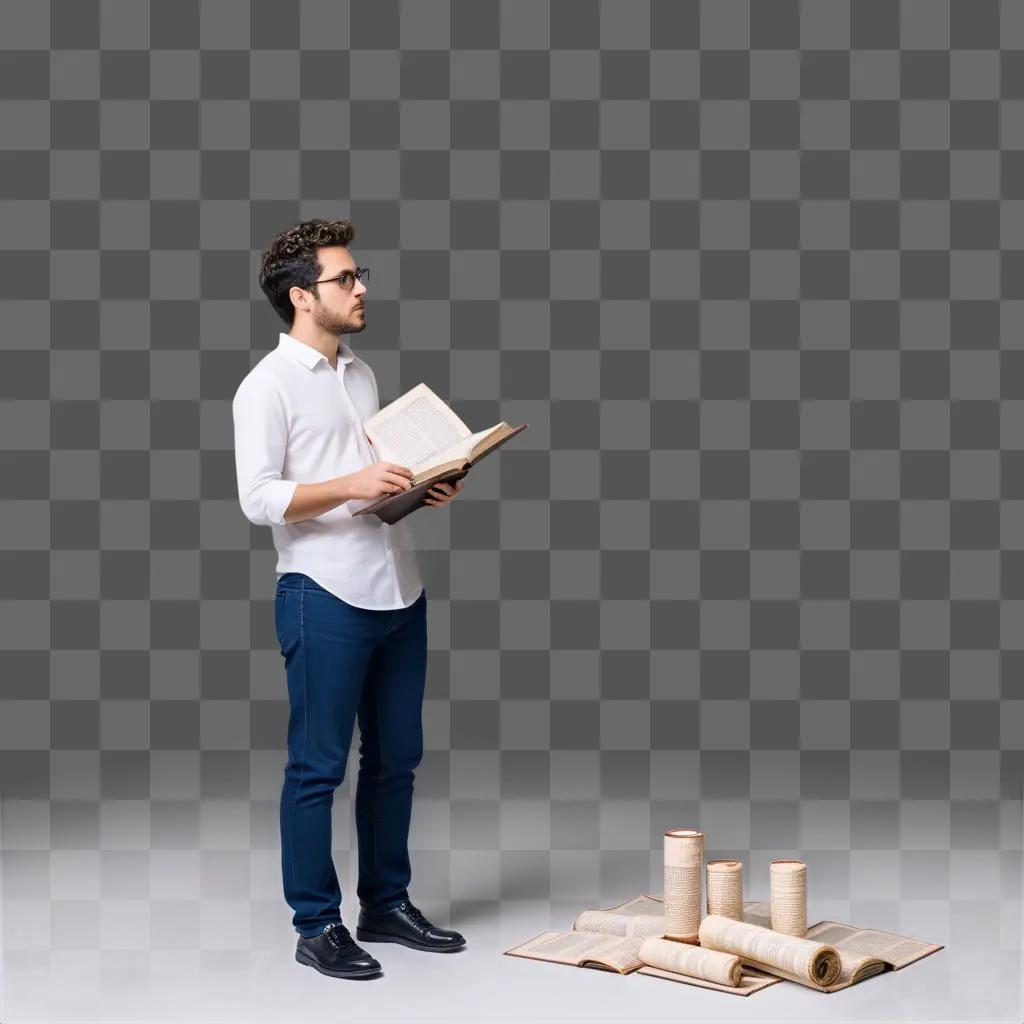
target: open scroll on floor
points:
(608, 940)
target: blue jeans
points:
(343, 661)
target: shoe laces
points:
(338, 935)
(415, 915)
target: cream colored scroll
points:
(693, 961)
(788, 896)
(725, 888)
(811, 963)
(684, 866)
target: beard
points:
(338, 324)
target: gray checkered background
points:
(753, 272)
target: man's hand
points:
(442, 494)
(378, 480)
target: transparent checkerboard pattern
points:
(752, 272)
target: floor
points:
(973, 979)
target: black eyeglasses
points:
(347, 278)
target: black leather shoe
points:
(405, 924)
(334, 952)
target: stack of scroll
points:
(738, 947)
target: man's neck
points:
(327, 344)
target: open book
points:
(830, 956)
(420, 431)
(608, 940)
(864, 952)
(628, 938)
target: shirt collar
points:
(307, 355)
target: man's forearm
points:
(314, 499)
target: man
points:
(350, 607)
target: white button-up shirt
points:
(299, 421)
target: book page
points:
(414, 429)
(577, 948)
(468, 450)
(895, 950)
(641, 915)
(607, 922)
(460, 449)
(811, 962)
(624, 955)
(496, 436)
(694, 961)
(648, 905)
(853, 968)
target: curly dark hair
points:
(290, 260)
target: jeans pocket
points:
(280, 610)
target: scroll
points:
(810, 963)
(787, 880)
(725, 888)
(684, 865)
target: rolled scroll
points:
(788, 896)
(725, 888)
(693, 961)
(684, 865)
(811, 963)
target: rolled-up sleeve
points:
(261, 439)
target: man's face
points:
(334, 309)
